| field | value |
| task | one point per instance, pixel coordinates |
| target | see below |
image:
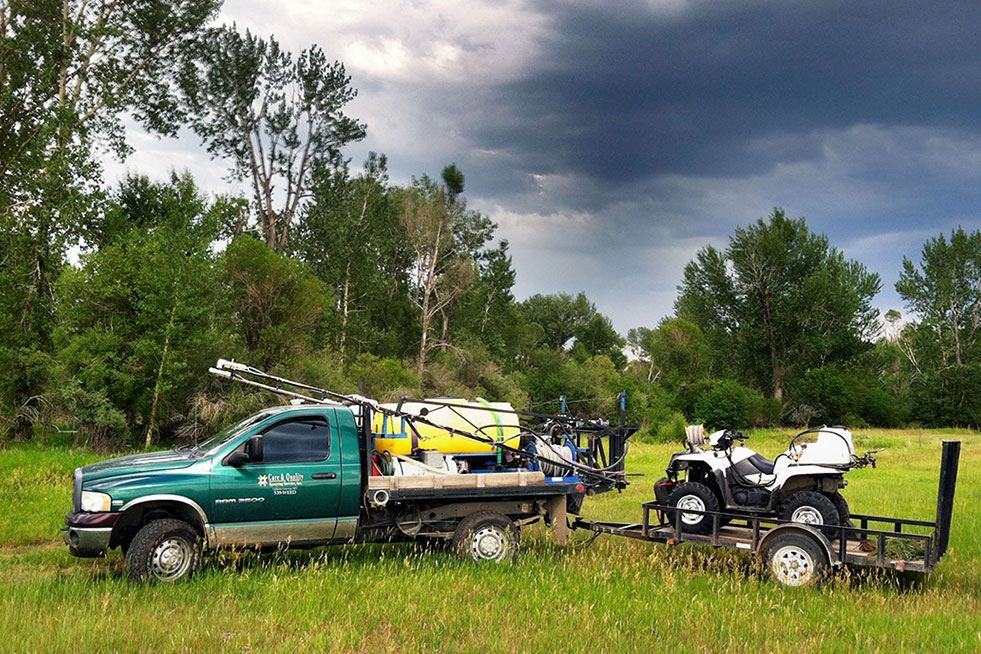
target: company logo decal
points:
(284, 483)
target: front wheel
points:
(695, 497)
(795, 560)
(164, 550)
(487, 536)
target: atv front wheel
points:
(812, 508)
(696, 497)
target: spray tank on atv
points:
(801, 484)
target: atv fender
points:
(805, 530)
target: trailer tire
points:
(164, 550)
(487, 536)
(795, 559)
(812, 508)
(699, 497)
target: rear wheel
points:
(844, 513)
(795, 559)
(695, 497)
(811, 508)
(164, 550)
(487, 536)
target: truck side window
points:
(295, 441)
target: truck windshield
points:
(208, 447)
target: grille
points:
(77, 491)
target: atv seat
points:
(754, 465)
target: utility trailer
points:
(797, 554)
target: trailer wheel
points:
(795, 560)
(812, 508)
(164, 550)
(487, 536)
(695, 496)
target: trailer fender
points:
(804, 530)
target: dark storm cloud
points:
(622, 93)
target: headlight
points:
(93, 502)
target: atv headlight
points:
(93, 502)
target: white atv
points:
(800, 485)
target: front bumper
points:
(88, 534)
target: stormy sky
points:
(611, 140)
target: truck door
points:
(291, 495)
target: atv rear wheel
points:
(811, 508)
(696, 497)
(844, 513)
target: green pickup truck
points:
(296, 476)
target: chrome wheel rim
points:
(808, 515)
(691, 503)
(488, 544)
(792, 566)
(171, 559)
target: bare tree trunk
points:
(423, 345)
(344, 305)
(151, 423)
(446, 327)
(777, 376)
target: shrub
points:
(725, 404)
(672, 430)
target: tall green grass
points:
(614, 595)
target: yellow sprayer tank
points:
(500, 424)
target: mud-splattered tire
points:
(164, 550)
(487, 536)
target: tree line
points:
(332, 273)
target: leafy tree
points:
(779, 300)
(944, 291)
(676, 352)
(563, 317)
(444, 237)
(275, 117)
(68, 70)
(138, 319)
(281, 309)
(560, 315)
(352, 237)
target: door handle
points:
(324, 475)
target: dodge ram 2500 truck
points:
(297, 476)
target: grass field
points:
(614, 595)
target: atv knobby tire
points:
(812, 508)
(695, 496)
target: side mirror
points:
(253, 449)
(237, 459)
